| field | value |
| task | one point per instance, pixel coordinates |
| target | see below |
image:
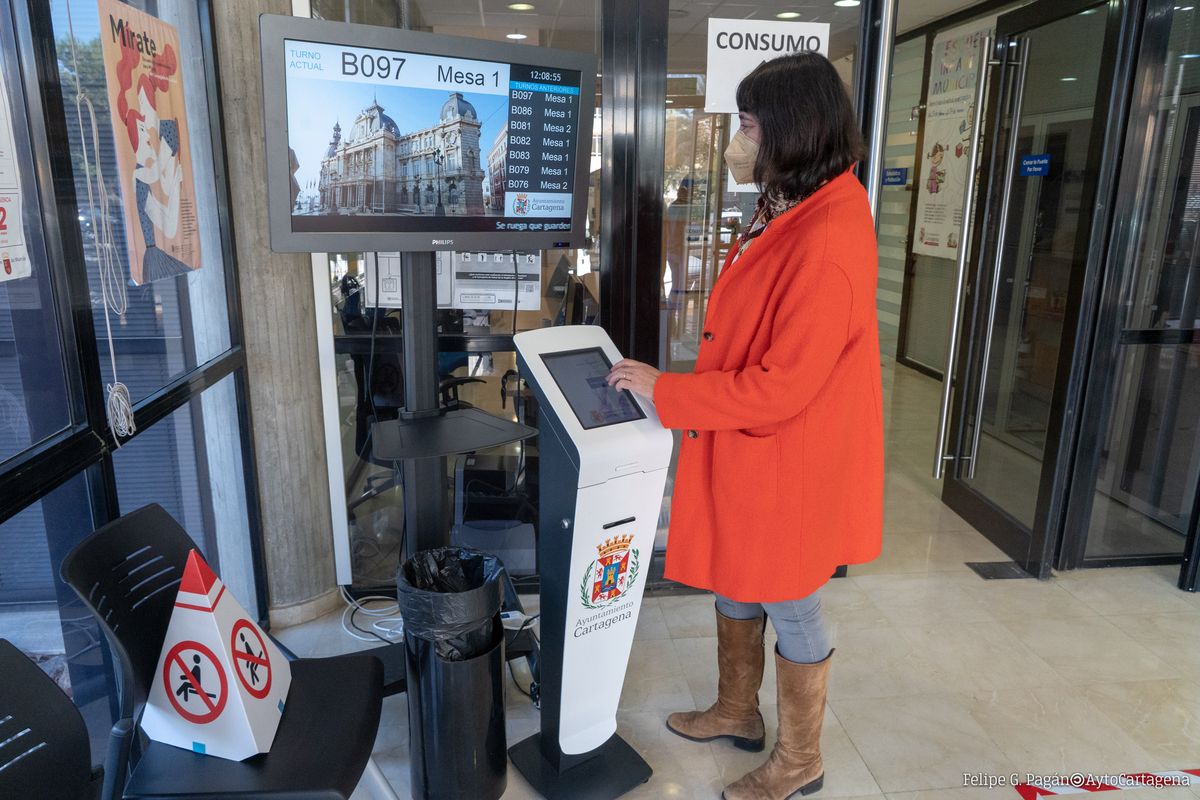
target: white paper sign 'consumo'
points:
(737, 46)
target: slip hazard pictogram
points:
(251, 659)
(195, 682)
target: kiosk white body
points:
(609, 504)
(598, 639)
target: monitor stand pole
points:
(424, 429)
(424, 479)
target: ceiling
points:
(551, 16)
(574, 24)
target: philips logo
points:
(443, 241)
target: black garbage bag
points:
(450, 596)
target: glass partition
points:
(1149, 465)
(62, 469)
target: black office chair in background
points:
(44, 750)
(127, 573)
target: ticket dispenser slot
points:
(603, 466)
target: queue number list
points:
(543, 127)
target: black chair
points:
(128, 573)
(44, 749)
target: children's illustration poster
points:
(150, 136)
(946, 149)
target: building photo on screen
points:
(384, 139)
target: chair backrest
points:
(44, 747)
(128, 573)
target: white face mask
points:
(740, 156)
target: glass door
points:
(1051, 80)
(1135, 498)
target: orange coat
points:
(780, 475)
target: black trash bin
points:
(454, 646)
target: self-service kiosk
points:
(603, 467)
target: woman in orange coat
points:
(780, 476)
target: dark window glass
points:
(43, 617)
(190, 463)
(1149, 470)
(33, 385)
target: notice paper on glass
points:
(948, 138)
(737, 46)
(490, 280)
(387, 282)
(14, 258)
(469, 281)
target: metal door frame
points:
(1035, 548)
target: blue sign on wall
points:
(1035, 165)
(895, 176)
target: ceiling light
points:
(669, 101)
(847, 3)
(516, 35)
(1068, 79)
(787, 15)
(1190, 55)
(521, 6)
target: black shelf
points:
(458, 431)
(359, 344)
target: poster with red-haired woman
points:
(150, 136)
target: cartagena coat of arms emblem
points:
(521, 204)
(612, 574)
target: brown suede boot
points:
(795, 763)
(735, 715)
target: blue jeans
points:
(799, 625)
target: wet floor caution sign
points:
(222, 684)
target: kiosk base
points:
(615, 769)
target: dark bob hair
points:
(808, 131)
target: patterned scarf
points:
(770, 205)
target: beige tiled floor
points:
(937, 672)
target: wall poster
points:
(947, 138)
(150, 136)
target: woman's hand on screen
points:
(635, 376)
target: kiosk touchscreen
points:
(603, 460)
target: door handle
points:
(964, 248)
(1001, 237)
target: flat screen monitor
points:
(386, 139)
(582, 375)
